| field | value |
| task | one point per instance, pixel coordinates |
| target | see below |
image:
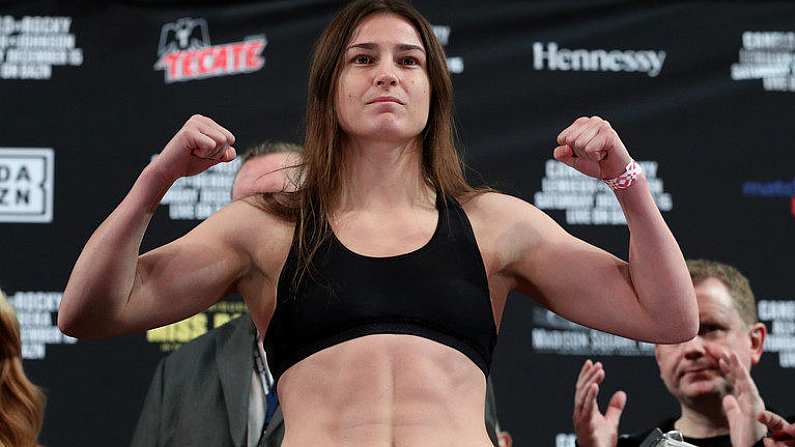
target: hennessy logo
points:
(550, 57)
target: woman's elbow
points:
(75, 321)
(682, 325)
(69, 322)
(678, 333)
(84, 330)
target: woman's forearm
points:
(657, 268)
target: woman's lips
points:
(382, 99)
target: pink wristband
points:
(625, 180)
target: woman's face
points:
(383, 91)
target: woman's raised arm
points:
(112, 290)
(650, 297)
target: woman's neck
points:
(384, 176)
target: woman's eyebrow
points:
(409, 47)
(366, 46)
(373, 46)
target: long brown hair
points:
(21, 402)
(323, 170)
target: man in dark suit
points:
(720, 405)
(200, 394)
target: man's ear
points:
(657, 358)
(757, 334)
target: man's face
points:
(263, 174)
(690, 370)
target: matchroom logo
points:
(784, 189)
(26, 184)
(185, 53)
(549, 56)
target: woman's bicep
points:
(573, 278)
(187, 275)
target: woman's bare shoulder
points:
(255, 232)
(506, 224)
(250, 217)
(496, 206)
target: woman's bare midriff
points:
(384, 390)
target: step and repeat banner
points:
(703, 94)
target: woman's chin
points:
(386, 130)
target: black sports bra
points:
(439, 291)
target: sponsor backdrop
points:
(702, 94)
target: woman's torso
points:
(383, 389)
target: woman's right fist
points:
(200, 144)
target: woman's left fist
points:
(592, 147)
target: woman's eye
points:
(362, 59)
(409, 61)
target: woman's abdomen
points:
(384, 390)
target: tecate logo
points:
(185, 53)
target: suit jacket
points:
(199, 394)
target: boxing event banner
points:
(701, 93)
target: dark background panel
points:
(708, 133)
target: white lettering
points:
(777, 343)
(455, 65)
(34, 319)
(554, 58)
(180, 195)
(776, 310)
(46, 41)
(562, 201)
(776, 84)
(555, 340)
(578, 217)
(783, 327)
(442, 33)
(41, 335)
(769, 40)
(215, 195)
(179, 212)
(37, 301)
(52, 57)
(565, 440)
(33, 351)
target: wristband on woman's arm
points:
(625, 180)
